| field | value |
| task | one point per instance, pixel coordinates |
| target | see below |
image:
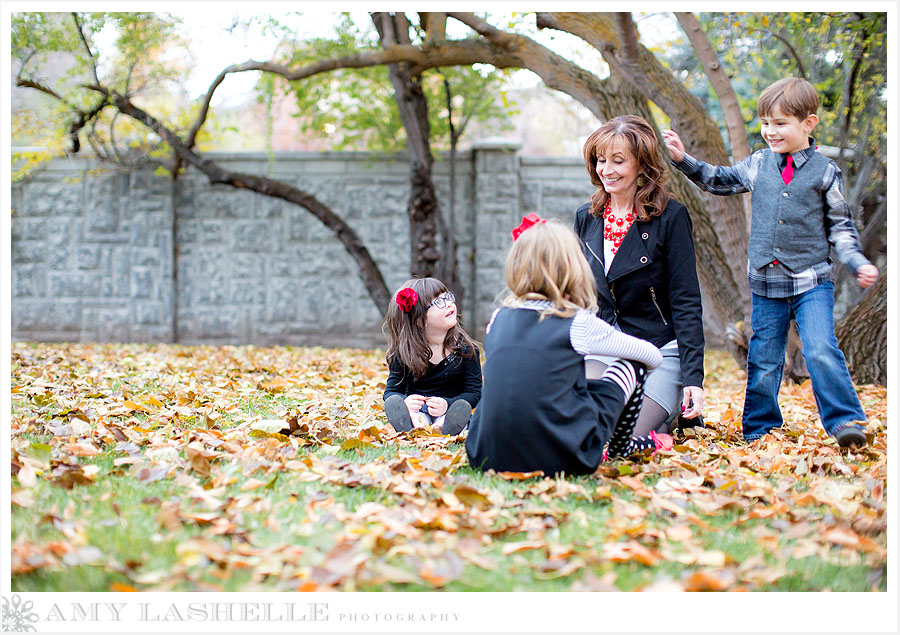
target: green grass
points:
(401, 545)
(136, 536)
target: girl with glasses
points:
(434, 373)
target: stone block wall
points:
(104, 255)
(92, 256)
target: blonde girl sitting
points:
(538, 410)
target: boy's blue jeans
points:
(835, 395)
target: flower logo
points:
(18, 616)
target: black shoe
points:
(850, 434)
(682, 424)
(397, 413)
(457, 418)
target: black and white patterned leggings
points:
(630, 377)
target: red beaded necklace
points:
(615, 227)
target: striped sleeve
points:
(590, 335)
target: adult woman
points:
(639, 246)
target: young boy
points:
(799, 212)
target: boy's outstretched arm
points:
(723, 180)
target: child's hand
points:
(866, 275)
(673, 143)
(436, 406)
(414, 403)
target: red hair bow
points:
(530, 220)
(406, 299)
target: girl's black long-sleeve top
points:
(453, 378)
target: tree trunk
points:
(731, 109)
(449, 271)
(413, 106)
(720, 230)
(862, 335)
(795, 371)
(721, 83)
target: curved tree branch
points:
(483, 28)
(84, 116)
(790, 47)
(216, 174)
(27, 83)
(87, 47)
(420, 58)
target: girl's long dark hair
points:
(406, 330)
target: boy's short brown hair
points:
(792, 95)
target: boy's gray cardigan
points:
(795, 224)
(790, 222)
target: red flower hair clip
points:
(530, 220)
(406, 299)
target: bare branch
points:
(131, 68)
(434, 25)
(483, 28)
(472, 109)
(86, 46)
(790, 47)
(859, 51)
(84, 116)
(112, 135)
(24, 62)
(27, 83)
(94, 142)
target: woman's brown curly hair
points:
(651, 197)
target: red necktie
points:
(788, 172)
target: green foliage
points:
(355, 108)
(759, 48)
(60, 51)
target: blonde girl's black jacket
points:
(651, 290)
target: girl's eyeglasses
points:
(442, 300)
